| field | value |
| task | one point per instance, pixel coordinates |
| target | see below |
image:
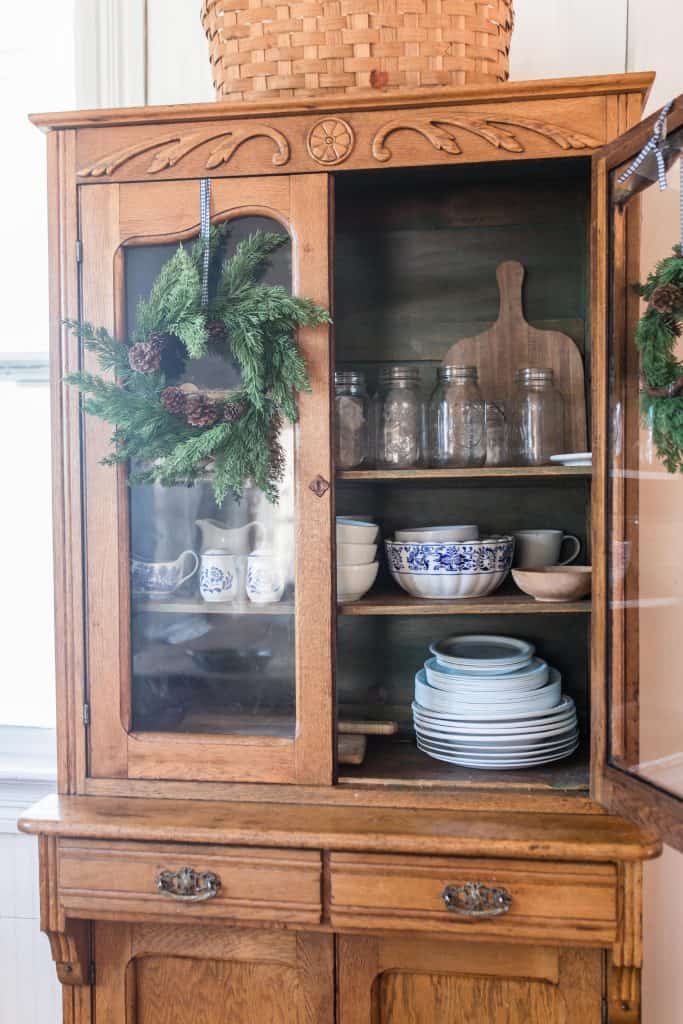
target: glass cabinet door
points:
(205, 662)
(640, 749)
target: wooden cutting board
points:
(512, 343)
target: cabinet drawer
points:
(104, 880)
(548, 901)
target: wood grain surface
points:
(492, 833)
(512, 343)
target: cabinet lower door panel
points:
(433, 981)
(183, 975)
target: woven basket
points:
(317, 48)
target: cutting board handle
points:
(510, 276)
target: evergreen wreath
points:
(174, 436)
(657, 334)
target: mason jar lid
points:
(348, 378)
(399, 374)
(534, 375)
(457, 373)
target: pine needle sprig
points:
(657, 338)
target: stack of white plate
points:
(489, 702)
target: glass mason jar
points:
(537, 417)
(457, 418)
(352, 410)
(497, 432)
(400, 418)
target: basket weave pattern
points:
(341, 46)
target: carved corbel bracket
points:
(69, 939)
(71, 952)
(627, 952)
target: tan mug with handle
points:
(536, 549)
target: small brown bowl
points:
(555, 582)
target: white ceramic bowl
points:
(353, 531)
(451, 570)
(356, 554)
(438, 534)
(353, 581)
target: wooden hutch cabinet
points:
(207, 857)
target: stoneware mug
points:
(218, 576)
(536, 549)
(265, 579)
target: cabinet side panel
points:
(66, 460)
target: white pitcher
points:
(233, 540)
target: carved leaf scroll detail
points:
(172, 149)
(441, 133)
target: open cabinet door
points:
(638, 511)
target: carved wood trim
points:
(440, 133)
(171, 150)
(69, 940)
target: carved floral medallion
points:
(330, 141)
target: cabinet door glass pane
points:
(646, 553)
(220, 660)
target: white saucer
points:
(529, 677)
(483, 654)
(573, 459)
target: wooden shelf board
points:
(195, 606)
(480, 473)
(398, 762)
(396, 602)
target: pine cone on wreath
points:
(216, 332)
(145, 356)
(200, 411)
(667, 298)
(173, 400)
(233, 411)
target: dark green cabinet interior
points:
(416, 252)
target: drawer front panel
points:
(102, 880)
(551, 901)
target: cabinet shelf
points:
(397, 602)
(398, 762)
(479, 473)
(194, 606)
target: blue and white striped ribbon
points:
(205, 228)
(652, 146)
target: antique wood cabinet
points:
(208, 856)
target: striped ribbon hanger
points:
(205, 230)
(654, 145)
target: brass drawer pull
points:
(476, 900)
(188, 885)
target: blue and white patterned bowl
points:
(454, 570)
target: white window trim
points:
(28, 770)
(111, 53)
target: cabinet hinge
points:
(79, 251)
(91, 972)
(86, 714)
